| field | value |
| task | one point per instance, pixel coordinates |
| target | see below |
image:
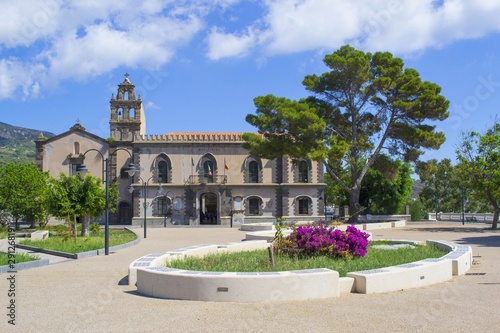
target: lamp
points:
(145, 185)
(171, 203)
(130, 169)
(82, 169)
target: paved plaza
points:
(92, 294)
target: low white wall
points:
(460, 256)
(457, 217)
(382, 218)
(149, 260)
(164, 282)
(256, 226)
(269, 234)
(243, 246)
(379, 225)
(39, 235)
(155, 280)
(159, 259)
(398, 224)
(412, 275)
(347, 285)
(416, 274)
(194, 251)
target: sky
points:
(198, 64)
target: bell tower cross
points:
(127, 115)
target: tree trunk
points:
(85, 226)
(354, 208)
(496, 214)
(496, 207)
(75, 229)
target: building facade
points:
(185, 178)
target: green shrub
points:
(416, 210)
(95, 227)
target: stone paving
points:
(92, 294)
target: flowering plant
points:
(321, 240)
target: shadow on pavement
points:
(452, 229)
(123, 281)
(487, 241)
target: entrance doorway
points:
(124, 213)
(208, 208)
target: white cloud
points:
(62, 39)
(104, 47)
(17, 78)
(399, 26)
(22, 23)
(151, 106)
(222, 45)
(45, 41)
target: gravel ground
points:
(92, 294)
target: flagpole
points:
(192, 165)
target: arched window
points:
(131, 113)
(303, 205)
(162, 172)
(208, 171)
(120, 113)
(303, 172)
(162, 206)
(253, 172)
(76, 148)
(253, 206)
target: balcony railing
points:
(203, 180)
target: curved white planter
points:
(153, 279)
(257, 226)
(164, 282)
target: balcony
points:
(204, 180)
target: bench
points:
(39, 235)
(470, 219)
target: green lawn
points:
(258, 261)
(19, 257)
(82, 244)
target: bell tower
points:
(127, 115)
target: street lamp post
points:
(462, 192)
(106, 162)
(145, 205)
(145, 185)
(166, 210)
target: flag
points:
(209, 170)
(192, 161)
(226, 167)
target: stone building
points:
(195, 178)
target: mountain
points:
(416, 189)
(17, 143)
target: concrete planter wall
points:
(153, 279)
(24, 265)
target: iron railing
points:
(204, 179)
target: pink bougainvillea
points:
(323, 240)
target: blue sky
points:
(198, 64)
